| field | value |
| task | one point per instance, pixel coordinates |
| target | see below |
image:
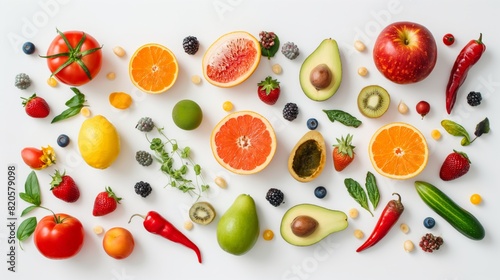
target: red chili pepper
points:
(388, 218)
(469, 55)
(155, 223)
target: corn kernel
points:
(221, 182)
(188, 225)
(98, 230)
(359, 46)
(362, 71)
(85, 111)
(353, 213)
(227, 106)
(52, 82)
(436, 134)
(111, 76)
(404, 228)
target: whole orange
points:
(118, 243)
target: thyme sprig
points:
(166, 152)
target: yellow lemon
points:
(98, 142)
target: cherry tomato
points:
(476, 199)
(423, 108)
(82, 60)
(448, 39)
(59, 236)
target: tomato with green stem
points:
(448, 39)
(74, 57)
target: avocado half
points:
(329, 221)
(326, 54)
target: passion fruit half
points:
(308, 157)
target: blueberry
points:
(429, 222)
(28, 48)
(320, 192)
(312, 123)
(63, 140)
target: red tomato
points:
(448, 39)
(88, 53)
(59, 236)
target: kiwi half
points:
(202, 213)
(373, 101)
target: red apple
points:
(405, 52)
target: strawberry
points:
(269, 90)
(343, 153)
(36, 107)
(105, 202)
(455, 165)
(64, 187)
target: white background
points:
(131, 25)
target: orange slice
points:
(231, 59)
(153, 68)
(398, 151)
(243, 142)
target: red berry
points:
(448, 39)
(454, 166)
(105, 202)
(269, 90)
(36, 107)
(423, 108)
(64, 187)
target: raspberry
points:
(290, 50)
(144, 158)
(23, 81)
(275, 197)
(142, 188)
(190, 45)
(430, 243)
(474, 98)
(291, 111)
(145, 124)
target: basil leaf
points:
(342, 117)
(28, 209)
(26, 228)
(356, 191)
(32, 190)
(70, 112)
(482, 127)
(272, 50)
(76, 100)
(372, 189)
(456, 129)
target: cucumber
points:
(459, 218)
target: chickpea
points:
(362, 71)
(359, 46)
(221, 182)
(111, 76)
(196, 79)
(408, 246)
(353, 213)
(277, 69)
(119, 51)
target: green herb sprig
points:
(165, 152)
(358, 193)
(74, 104)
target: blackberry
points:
(430, 243)
(290, 50)
(267, 39)
(142, 188)
(145, 124)
(291, 111)
(275, 197)
(474, 98)
(23, 81)
(143, 158)
(190, 45)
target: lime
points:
(187, 114)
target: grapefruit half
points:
(231, 59)
(243, 142)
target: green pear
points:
(238, 228)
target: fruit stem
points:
(142, 216)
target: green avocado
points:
(321, 72)
(307, 224)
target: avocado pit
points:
(303, 226)
(321, 76)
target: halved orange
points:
(243, 142)
(153, 68)
(231, 59)
(398, 151)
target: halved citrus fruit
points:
(243, 142)
(398, 151)
(231, 59)
(153, 68)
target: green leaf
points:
(68, 113)
(28, 209)
(356, 191)
(456, 129)
(482, 127)
(186, 152)
(76, 100)
(342, 117)
(197, 169)
(26, 228)
(372, 189)
(27, 198)
(32, 190)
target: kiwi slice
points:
(373, 101)
(202, 213)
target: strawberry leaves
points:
(74, 104)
